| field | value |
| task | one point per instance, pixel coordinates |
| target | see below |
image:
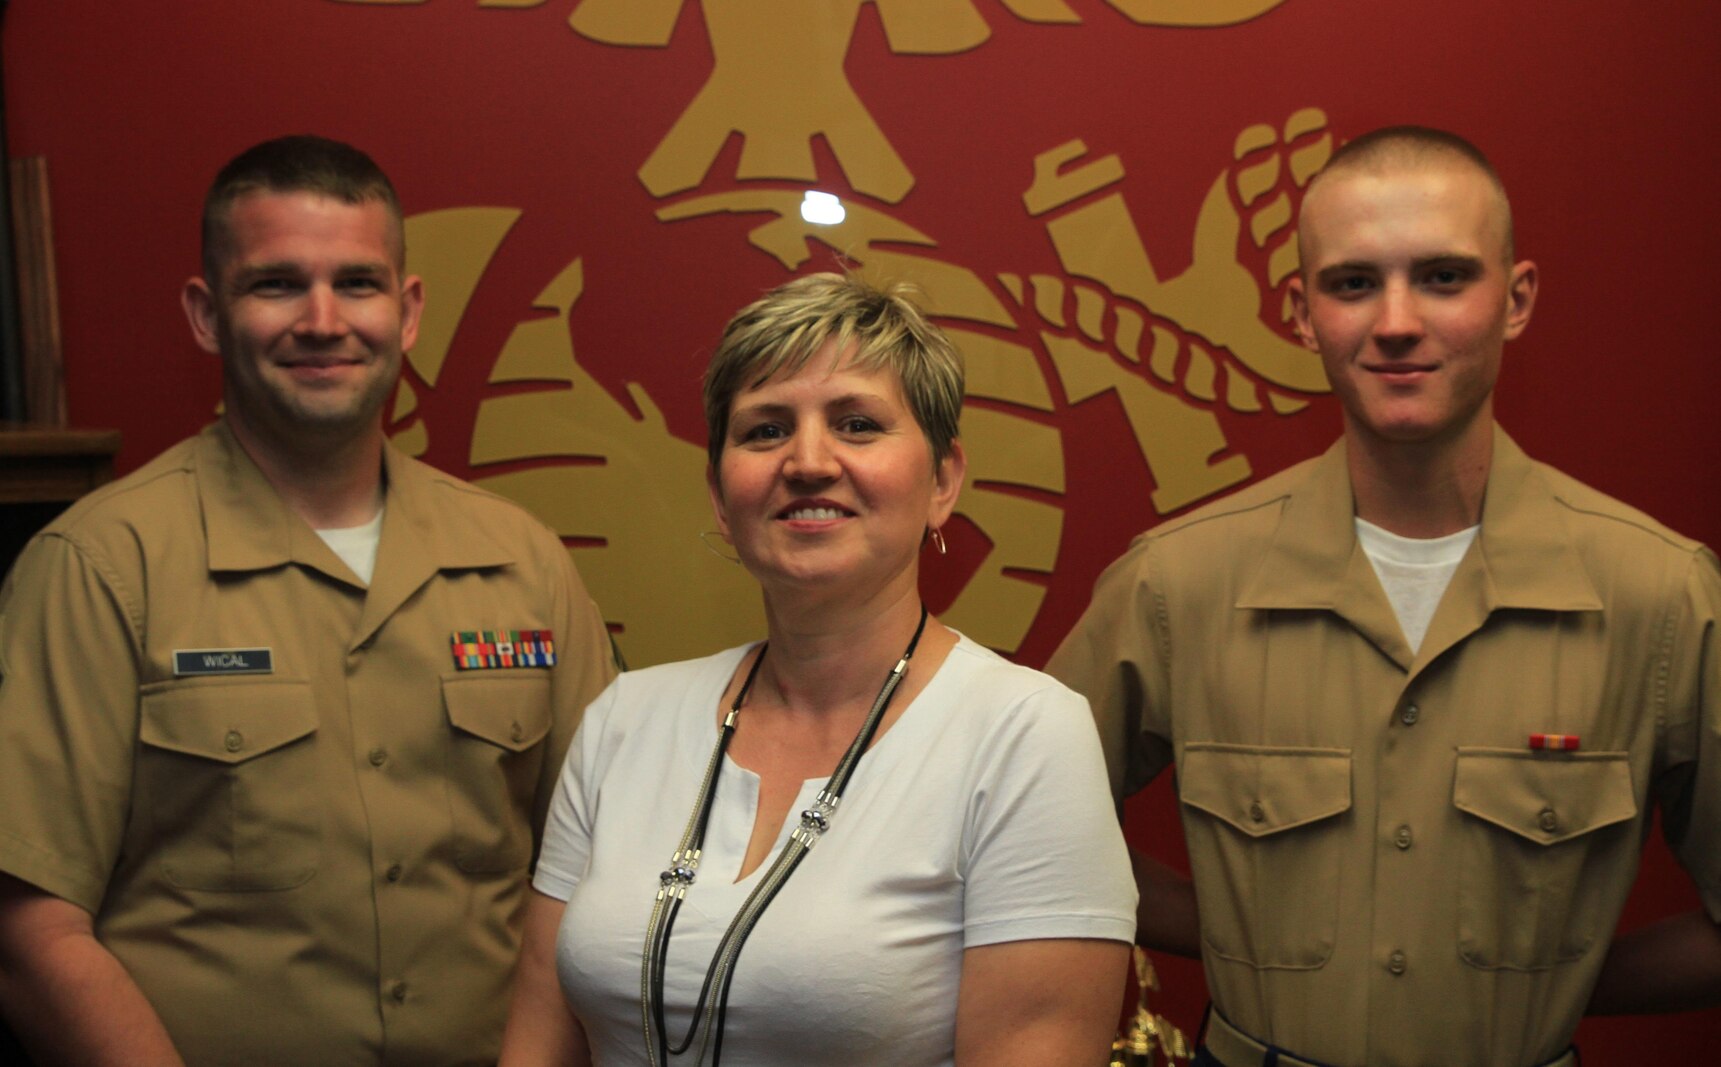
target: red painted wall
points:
(1599, 114)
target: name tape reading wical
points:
(190, 661)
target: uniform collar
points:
(248, 526)
(1523, 556)
(1529, 552)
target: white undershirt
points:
(356, 545)
(1414, 572)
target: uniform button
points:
(517, 732)
(1548, 821)
(235, 741)
(1410, 714)
(1396, 963)
(1257, 812)
(378, 757)
(1402, 837)
(398, 992)
(393, 874)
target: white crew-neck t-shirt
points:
(356, 545)
(1414, 572)
(982, 816)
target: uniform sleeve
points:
(585, 664)
(1690, 784)
(1043, 855)
(1116, 656)
(573, 806)
(68, 721)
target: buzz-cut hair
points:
(301, 163)
(879, 327)
(1408, 147)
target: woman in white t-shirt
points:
(865, 840)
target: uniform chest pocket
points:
(227, 784)
(1544, 835)
(495, 761)
(1265, 829)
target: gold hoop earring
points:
(937, 539)
(705, 539)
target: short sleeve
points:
(585, 664)
(1690, 786)
(1043, 855)
(1115, 657)
(566, 847)
(68, 721)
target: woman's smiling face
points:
(826, 479)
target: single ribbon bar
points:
(1554, 742)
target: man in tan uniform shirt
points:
(1414, 850)
(260, 803)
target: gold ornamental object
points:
(1150, 1040)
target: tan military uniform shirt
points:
(302, 830)
(1388, 873)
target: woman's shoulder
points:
(975, 667)
(683, 671)
(649, 692)
(982, 691)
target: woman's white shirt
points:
(982, 816)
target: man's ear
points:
(1521, 298)
(411, 310)
(1300, 314)
(199, 304)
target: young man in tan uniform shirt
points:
(1414, 853)
(258, 806)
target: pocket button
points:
(1548, 821)
(1257, 812)
(234, 740)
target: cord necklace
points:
(673, 883)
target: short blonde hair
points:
(781, 331)
(1412, 148)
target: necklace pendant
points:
(815, 820)
(675, 881)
